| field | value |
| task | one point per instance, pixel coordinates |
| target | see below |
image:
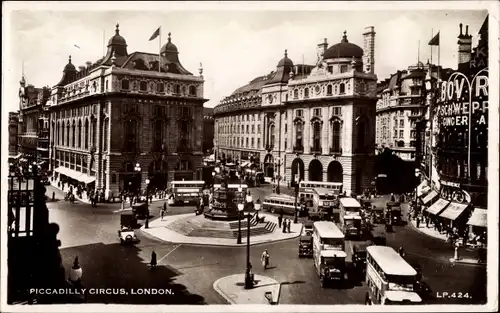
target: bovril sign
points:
(464, 101)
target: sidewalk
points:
(158, 228)
(232, 288)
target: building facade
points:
(208, 130)
(460, 144)
(33, 130)
(126, 118)
(307, 122)
(13, 133)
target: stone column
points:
(325, 131)
(306, 134)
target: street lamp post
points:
(417, 175)
(279, 176)
(241, 206)
(147, 203)
(248, 278)
(137, 169)
(295, 220)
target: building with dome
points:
(125, 118)
(303, 122)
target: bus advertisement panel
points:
(185, 191)
(390, 279)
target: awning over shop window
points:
(422, 188)
(478, 218)
(454, 210)
(73, 174)
(84, 178)
(438, 206)
(429, 197)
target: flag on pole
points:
(434, 41)
(77, 46)
(155, 34)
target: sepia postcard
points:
(227, 156)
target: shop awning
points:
(429, 197)
(454, 210)
(69, 172)
(478, 218)
(422, 188)
(438, 206)
(84, 178)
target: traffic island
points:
(232, 288)
(196, 229)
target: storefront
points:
(455, 215)
(478, 222)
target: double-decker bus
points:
(350, 217)
(328, 252)
(324, 202)
(281, 203)
(185, 191)
(306, 189)
(390, 279)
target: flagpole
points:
(159, 51)
(431, 124)
(103, 42)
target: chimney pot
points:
(461, 29)
(467, 30)
(88, 64)
(81, 68)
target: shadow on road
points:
(293, 282)
(115, 268)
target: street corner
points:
(266, 290)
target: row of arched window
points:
(76, 134)
(159, 87)
(330, 90)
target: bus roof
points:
(352, 217)
(390, 261)
(275, 196)
(320, 183)
(323, 191)
(328, 230)
(187, 182)
(232, 186)
(350, 203)
(333, 253)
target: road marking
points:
(120, 210)
(168, 253)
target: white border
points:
(493, 177)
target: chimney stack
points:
(81, 68)
(88, 64)
(464, 45)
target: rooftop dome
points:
(69, 67)
(285, 61)
(344, 49)
(117, 40)
(169, 47)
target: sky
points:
(233, 44)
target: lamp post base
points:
(248, 281)
(238, 241)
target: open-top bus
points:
(185, 191)
(324, 202)
(350, 217)
(390, 279)
(328, 252)
(306, 189)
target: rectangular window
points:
(298, 113)
(412, 134)
(258, 143)
(285, 144)
(247, 130)
(395, 133)
(317, 112)
(253, 130)
(401, 123)
(286, 128)
(253, 142)
(258, 129)
(401, 133)
(337, 111)
(246, 142)
(343, 68)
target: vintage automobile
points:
(140, 210)
(126, 233)
(305, 246)
(377, 214)
(307, 230)
(393, 211)
(359, 257)
(332, 268)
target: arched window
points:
(336, 128)
(94, 133)
(125, 84)
(342, 88)
(329, 89)
(192, 90)
(58, 135)
(143, 86)
(73, 135)
(317, 136)
(67, 135)
(130, 138)
(105, 135)
(79, 135)
(299, 129)
(177, 89)
(306, 93)
(160, 87)
(295, 94)
(271, 130)
(86, 138)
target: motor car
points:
(140, 210)
(305, 246)
(359, 257)
(127, 236)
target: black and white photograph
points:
(264, 156)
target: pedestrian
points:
(53, 196)
(284, 226)
(418, 221)
(165, 206)
(392, 197)
(162, 213)
(75, 274)
(153, 259)
(289, 222)
(280, 219)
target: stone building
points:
(307, 122)
(33, 131)
(208, 129)
(13, 133)
(126, 118)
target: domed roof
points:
(285, 61)
(344, 49)
(169, 46)
(69, 67)
(117, 40)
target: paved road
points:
(191, 270)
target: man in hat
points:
(153, 259)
